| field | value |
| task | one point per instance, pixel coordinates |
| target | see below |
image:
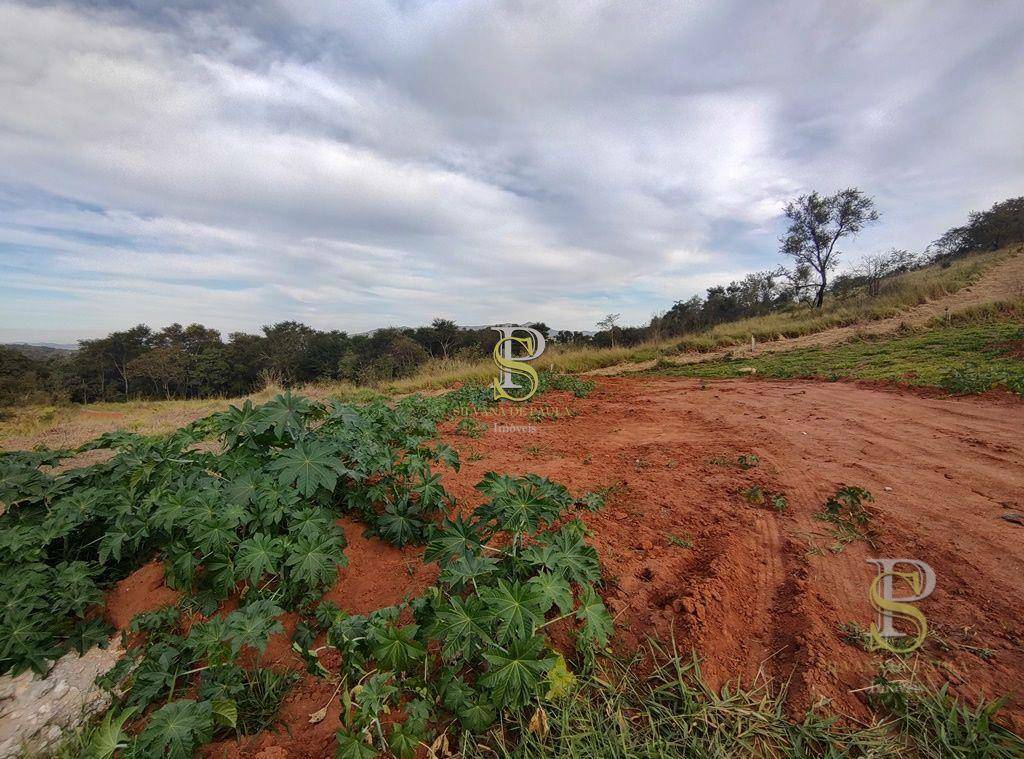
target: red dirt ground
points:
(752, 594)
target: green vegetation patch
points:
(961, 358)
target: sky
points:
(372, 163)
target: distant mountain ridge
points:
(42, 350)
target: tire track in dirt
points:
(764, 591)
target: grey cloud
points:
(388, 162)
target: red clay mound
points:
(686, 553)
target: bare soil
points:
(758, 591)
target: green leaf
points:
(285, 414)
(178, 729)
(314, 561)
(515, 677)
(259, 555)
(238, 424)
(352, 747)
(109, 737)
(404, 741)
(396, 647)
(567, 553)
(310, 466)
(461, 625)
(398, 527)
(554, 590)
(516, 607)
(466, 570)
(597, 622)
(225, 712)
(477, 716)
(452, 539)
(253, 624)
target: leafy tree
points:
(817, 223)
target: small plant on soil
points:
(579, 387)
(758, 496)
(748, 461)
(595, 500)
(680, 542)
(855, 635)
(470, 427)
(851, 521)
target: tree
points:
(1001, 225)
(874, 268)
(445, 335)
(608, 324)
(817, 223)
(166, 368)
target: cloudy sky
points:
(375, 162)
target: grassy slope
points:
(973, 352)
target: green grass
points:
(963, 357)
(674, 712)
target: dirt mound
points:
(751, 589)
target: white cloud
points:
(488, 162)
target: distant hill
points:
(42, 350)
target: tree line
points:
(196, 361)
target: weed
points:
(470, 427)
(748, 461)
(681, 542)
(754, 495)
(936, 724)
(850, 520)
(969, 380)
(778, 502)
(968, 355)
(578, 386)
(533, 450)
(595, 500)
(855, 635)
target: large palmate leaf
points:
(309, 466)
(398, 524)
(253, 624)
(238, 425)
(515, 607)
(597, 622)
(352, 746)
(554, 590)
(567, 553)
(467, 570)
(396, 647)
(314, 561)
(476, 716)
(259, 555)
(521, 505)
(516, 676)
(285, 414)
(461, 625)
(451, 539)
(178, 729)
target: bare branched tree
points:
(817, 223)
